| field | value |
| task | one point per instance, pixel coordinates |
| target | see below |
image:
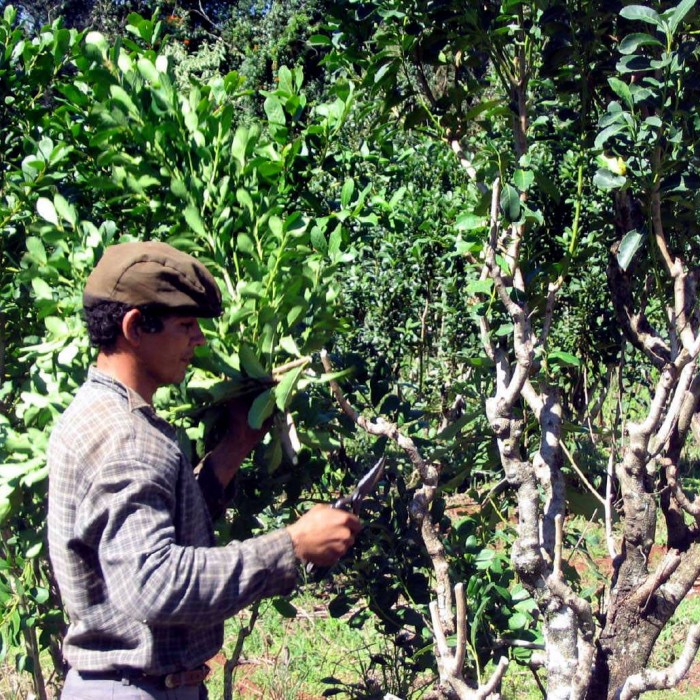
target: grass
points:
(288, 659)
(292, 658)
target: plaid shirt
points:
(132, 543)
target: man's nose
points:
(197, 335)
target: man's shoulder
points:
(94, 410)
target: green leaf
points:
(519, 621)
(318, 239)
(194, 220)
(384, 70)
(319, 40)
(469, 222)
(563, 358)
(622, 89)
(274, 110)
(641, 13)
(634, 64)
(65, 210)
(121, 96)
(295, 313)
(510, 203)
(284, 391)
(606, 133)
(629, 246)
(36, 249)
(240, 145)
(633, 41)
(56, 326)
(5, 505)
(261, 408)
(97, 40)
(41, 595)
(148, 71)
(284, 76)
(244, 243)
(347, 192)
(250, 363)
(288, 345)
(46, 210)
(178, 188)
(335, 240)
(34, 550)
(245, 200)
(479, 286)
(276, 226)
(41, 289)
(607, 180)
(523, 179)
(675, 15)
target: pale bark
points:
(663, 679)
(642, 601)
(451, 661)
(567, 621)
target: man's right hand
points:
(322, 535)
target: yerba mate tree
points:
(515, 90)
(102, 145)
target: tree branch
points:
(690, 507)
(635, 325)
(658, 442)
(450, 663)
(663, 679)
(420, 506)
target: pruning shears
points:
(353, 501)
(365, 486)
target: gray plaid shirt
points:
(132, 545)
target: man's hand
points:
(237, 442)
(322, 535)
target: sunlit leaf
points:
(642, 14)
(46, 210)
(630, 244)
(261, 408)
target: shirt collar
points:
(134, 399)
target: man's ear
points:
(132, 327)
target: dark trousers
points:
(77, 688)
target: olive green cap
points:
(153, 273)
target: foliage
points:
(338, 182)
(123, 154)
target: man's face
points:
(167, 354)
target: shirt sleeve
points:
(216, 496)
(127, 515)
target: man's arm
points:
(216, 471)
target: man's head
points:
(153, 277)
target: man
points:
(130, 524)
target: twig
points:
(299, 362)
(575, 548)
(581, 475)
(658, 442)
(233, 660)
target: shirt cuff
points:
(276, 553)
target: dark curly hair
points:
(104, 321)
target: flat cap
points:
(153, 273)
